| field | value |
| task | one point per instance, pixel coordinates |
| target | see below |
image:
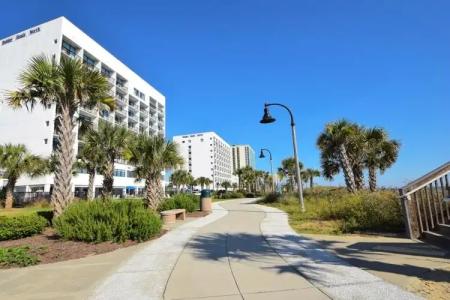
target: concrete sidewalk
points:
(230, 259)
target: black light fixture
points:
(261, 155)
(267, 118)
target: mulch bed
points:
(50, 248)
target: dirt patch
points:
(435, 285)
(50, 248)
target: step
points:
(444, 229)
(437, 239)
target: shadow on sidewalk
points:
(254, 248)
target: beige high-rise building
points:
(243, 156)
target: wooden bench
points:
(170, 216)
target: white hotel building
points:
(139, 106)
(206, 155)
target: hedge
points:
(12, 228)
(101, 221)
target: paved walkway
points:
(230, 259)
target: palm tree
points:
(91, 157)
(248, 177)
(203, 181)
(226, 185)
(238, 173)
(335, 142)
(310, 174)
(112, 142)
(152, 155)
(69, 84)
(180, 178)
(381, 153)
(289, 170)
(15, 161)
(235, 186)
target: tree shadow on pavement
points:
(308, 257)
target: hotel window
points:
(89, 61)
(69, 49)
(106, 72)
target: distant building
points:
(243, 156)
(206, 155)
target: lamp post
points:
(261, 155)
(267, 119)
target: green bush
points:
(229, 195)
(189, 202)
(17, 257)
(101, 221)
(271, 198)
(363, 211)
(12, 228)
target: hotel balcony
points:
(143, 130)
(121, 100)
(121, 110)
(107, 116)
(88, 112)
(133, 127)
(121, 121)
(70, 54)
(133, 106)
(133, 117)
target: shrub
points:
(101, 221)
(271, 198)
(12, 228)
(229, 195)
(17, 257)
(363, 211)
(189, 202)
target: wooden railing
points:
(425, 202)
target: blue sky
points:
(379, 63)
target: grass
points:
(335, 211)
(15, 212)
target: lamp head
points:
(267, 118)
(261, 154)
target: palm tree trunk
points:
(62, 190)
(90, 192)
(9, 199)
(311, 182)
(372, 179)
(153, 192)
(347, 170)
(108, 181)
(359, 177)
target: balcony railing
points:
(133, 105)
(121, 110)
(121, 99)
(71, 54)
(132, 117)
(88, 111)
(122, 87)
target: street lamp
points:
(267, 119)
(261, 155)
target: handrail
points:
(425, 180)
